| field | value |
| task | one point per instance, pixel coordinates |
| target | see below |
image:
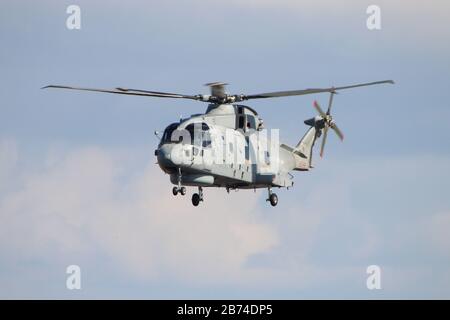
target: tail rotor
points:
(325, 121)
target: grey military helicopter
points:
(225, 146)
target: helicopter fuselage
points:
(225, 147)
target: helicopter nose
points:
(164, 156)
(168, 158)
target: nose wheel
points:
(273, 198)
(197, 197)
(180, 190)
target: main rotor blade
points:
(338, 131)
(309, 91)
(324, 140)
(319, 109)
(131, 92)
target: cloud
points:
(437, 231)
(8, 159)
(80, 205)
(98, 208)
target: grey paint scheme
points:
(245, 175)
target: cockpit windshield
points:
(194, 133)
(167, 136)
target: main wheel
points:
(175, 191)
(195, 199)
(273, 199)
(183, 191)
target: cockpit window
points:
(199, 134)
(206, 136)
(167, 136)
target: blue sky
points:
(79, 184)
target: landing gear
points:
(273, 198)
(179, 188)
(197, 197)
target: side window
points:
(251, 122)
(206, 140)
(195, 133)
(247, 148)
(206, 136)
(267, 157)
(199, 134)
(241, 122)
(190, 129)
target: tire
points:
(195, 199)
(174, 191)
(273, 199)
(183, 191)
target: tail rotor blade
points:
(319, 109)
(338, 131)
(324, 140)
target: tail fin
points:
(303, 150)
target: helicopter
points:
(228, 145)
